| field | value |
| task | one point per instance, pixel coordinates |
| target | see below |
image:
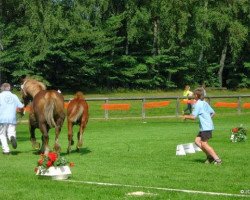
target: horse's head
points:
(26, 98)
(29, 89)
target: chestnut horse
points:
(77, 114)
(46, 112)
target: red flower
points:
(235, 130)
(40, 162)
(49, 163)
(52, 156)
(71, 164)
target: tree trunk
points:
(222, 64)
(127, 47)
(169, 76)
(155, 50)
(204, 27)
(127, 41)
(1, 8)
(201, 55)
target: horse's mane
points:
(32, 87)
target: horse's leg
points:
(45, 138)
(35, 144)
(70, 136)
(84, 121)
(32, 128)
(58, 127)
(80, 135)
(57, 146)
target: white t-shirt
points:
(9, 102)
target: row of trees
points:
(151, 44)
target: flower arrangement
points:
(238, 134)
(51, 160)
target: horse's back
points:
(46, 96)
(48, 105)
(77, 108)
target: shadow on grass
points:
(82, 151)
(199, 160)
(21, 139)
(15, 153)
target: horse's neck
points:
(32, 91)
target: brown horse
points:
(77, 114)
(46, 112)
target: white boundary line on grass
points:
(159, 188)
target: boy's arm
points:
(192, 117)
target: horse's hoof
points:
(57, 149)
(79, 145)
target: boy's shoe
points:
(217, 162)
(209, 160)
(13, 142)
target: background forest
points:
(130, 44)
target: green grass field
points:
(138, 155)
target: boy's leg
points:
(210, 151)
(209, 159)
(11, 134)
(190, 108)
(198, 141)
(3, 139)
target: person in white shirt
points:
(9, 105)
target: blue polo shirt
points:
(203, 111)
(9, 102)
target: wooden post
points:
(106, 111)
(177, 106)
(143, 109)
(239, 105)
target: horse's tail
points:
(49, 110)
(79, 108)
(76, 113)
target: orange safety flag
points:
(246, 105)
(226, 105)
(66, 105)
(27, 109)
(156, 104)
(107, 106)
(186, 101)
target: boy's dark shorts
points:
(205, 135)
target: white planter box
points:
(56, 173)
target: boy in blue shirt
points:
(9, 104)
(204, 112)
